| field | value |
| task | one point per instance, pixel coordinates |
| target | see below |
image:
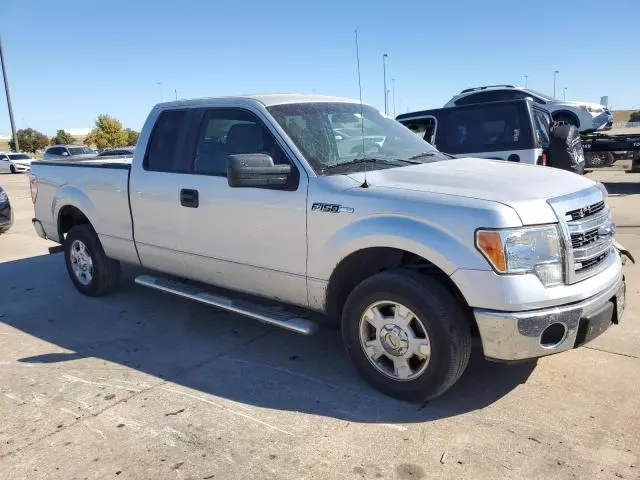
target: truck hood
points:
(525, 188)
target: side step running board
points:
(271, 315)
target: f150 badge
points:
(330, 208)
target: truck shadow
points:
(214, 352)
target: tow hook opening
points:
(553, 335)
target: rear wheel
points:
(91, 271)
(407, 335)
(598, 159)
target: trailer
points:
(599, 149)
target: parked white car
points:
(15, 162)
(584, 115)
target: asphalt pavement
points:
(142, 385)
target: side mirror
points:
(65, 154)
(256, 170)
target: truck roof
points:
(267, 100)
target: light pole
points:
(393, 95)
(6, 89)
(526, 80)
(555, 75)
(564, 93)
(384, 75)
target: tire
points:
(438, 315)
(12, 169)
(91, 271)
(598, 159)
(563, 117)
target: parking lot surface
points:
(141, 385)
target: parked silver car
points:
(63, 152)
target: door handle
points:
(189, 198)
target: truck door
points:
(189, 222)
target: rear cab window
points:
(165, 150)
(542, 127)
(485, 128)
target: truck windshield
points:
(332, 133)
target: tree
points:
(62, 138)
(108, 133)
(635, 116)
(132, 136)
(30, 140)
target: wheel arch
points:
(366, 262)
(71, 207)
(568, 113)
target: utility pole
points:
(555, 74)
(384, 74)
(6, 89)
(393, 95)
(564, 93)
(175, 90)
(526, 80)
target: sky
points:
(69, 61)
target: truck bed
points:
(97, 187)
(122, 162)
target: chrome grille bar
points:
(582, 216)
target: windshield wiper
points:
(356, 161)
(429, 154)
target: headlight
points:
(591, 109)
(534, 250)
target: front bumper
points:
(37, 225)
(22, 168)
(6, 217)
(512, 336)
(602, 120)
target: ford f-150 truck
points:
(414, 252)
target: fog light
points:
(553, 335)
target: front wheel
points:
(91, 271)
(12, 169)
(407, 335)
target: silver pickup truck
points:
(289, 201)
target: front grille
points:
(592, 262)
(587, 232)
(585, 212)
(588, 248)
(581, 239)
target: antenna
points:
(365, 184)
